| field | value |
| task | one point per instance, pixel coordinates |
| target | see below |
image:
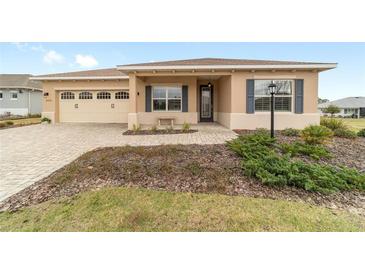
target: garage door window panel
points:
(103, 95)
(85, 95)
(67, 95)
(122, 95)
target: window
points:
(166, 98)
(103, 95)
(282, 99)
(350, 111)
(13, 95)
(1, 95)
(67, 95)
(85, 95)
(122, 95)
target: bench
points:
(170, 119)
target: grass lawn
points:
(136, 209)
(354, 124)
(25, 121)
(22, 121)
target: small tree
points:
(331, 109)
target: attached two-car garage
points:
(102, 106)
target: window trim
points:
(11, 95)
(292, 105)
(166, 87)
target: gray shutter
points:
(185, 92)
(250, 96)
(299, 95)
(148, 98)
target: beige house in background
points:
(232, 92)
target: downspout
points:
(29, 104)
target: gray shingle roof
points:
(109, 72)
(19, 81)
(348, 102)
(221, 61)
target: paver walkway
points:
(30, 153)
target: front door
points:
(206, 104)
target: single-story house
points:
(232, 92)
(349, 107)
(19, 95)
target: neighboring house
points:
(19, 95)
(232, 92)
(350, 107)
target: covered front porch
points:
(185, 98)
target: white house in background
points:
(19, 95)
(350, 107)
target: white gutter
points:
(40, 78)
(20, 87)
(198, 67)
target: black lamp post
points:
(272, 90)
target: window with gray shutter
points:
(148, 98)
(299, 96)
(185, 94)
(250, 96)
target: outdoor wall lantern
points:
(209, 84)
(272, 90)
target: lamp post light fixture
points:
(272, 90)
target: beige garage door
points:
(94, 106)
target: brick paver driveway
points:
(30, 153)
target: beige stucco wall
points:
(229, 97)
(138, 85)
(238, 98)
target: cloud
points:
(52, 57)
(38, 48)
(86, 61)
(21, 46)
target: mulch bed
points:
(158, 132)
(345, 152)
(190, 168)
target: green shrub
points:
(297, 148)
(154, 128)
(260, 160)
(262, 131)
(333, 123)
(185, 127)
(45, 119)
(136, 127)
(361, 133)
(9, 123)
(345, 133)
(290, 132)
(315, 134)
(252, 145)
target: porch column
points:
(132, 114)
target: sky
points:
(348, 79)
